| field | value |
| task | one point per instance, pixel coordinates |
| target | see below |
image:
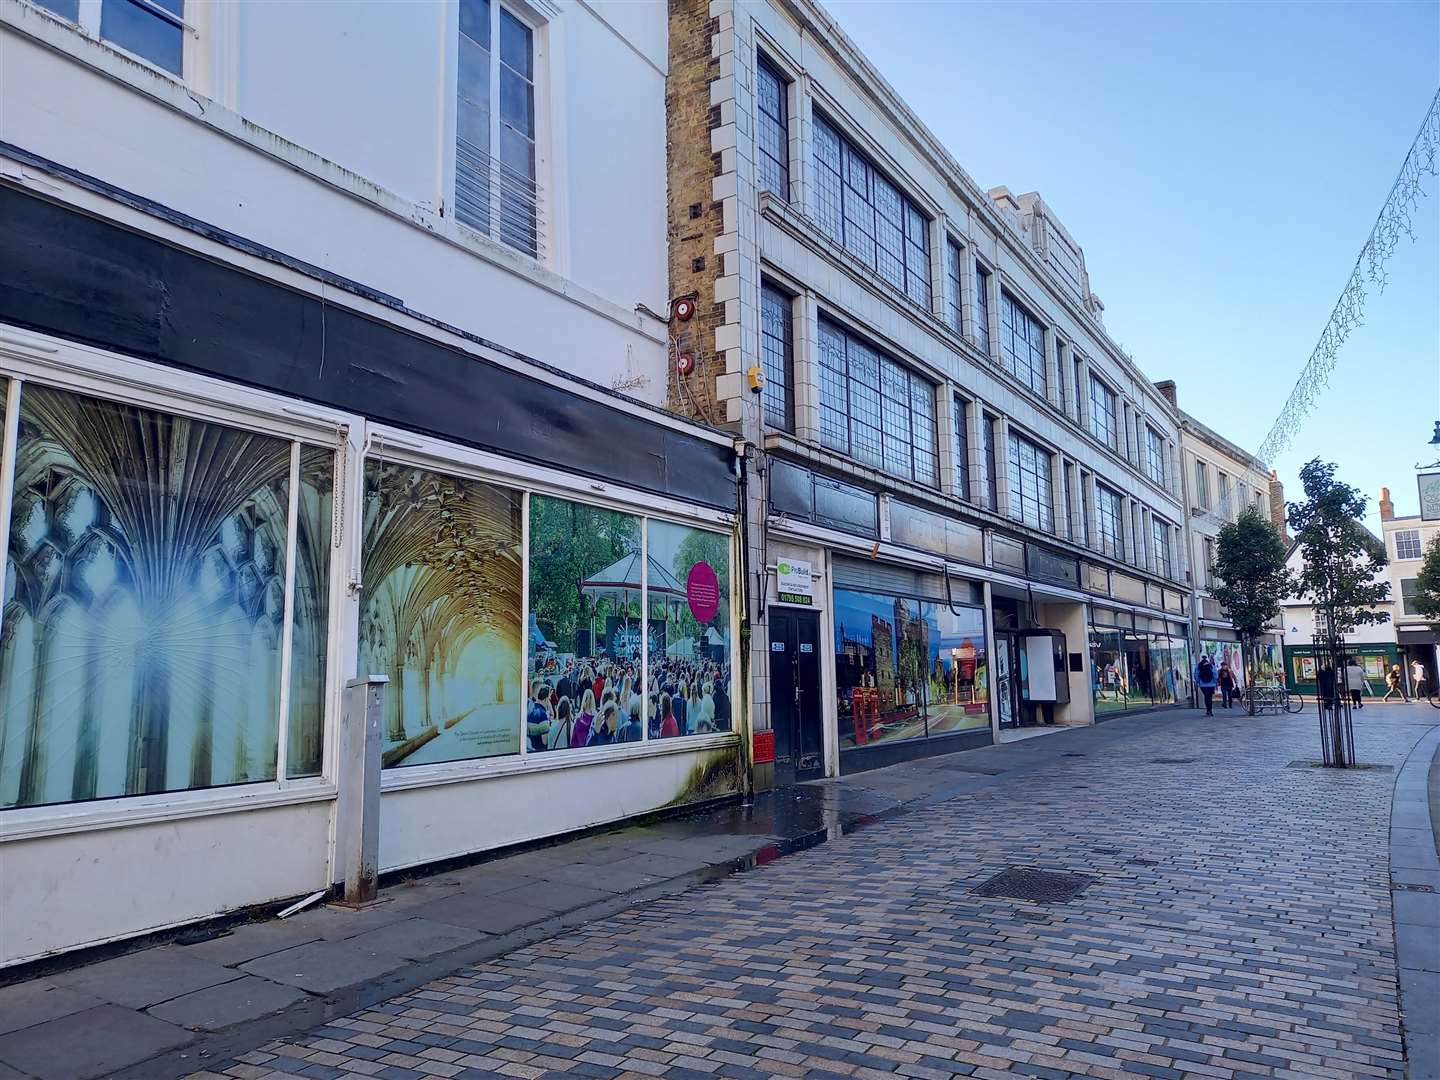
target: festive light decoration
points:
(1395, 221)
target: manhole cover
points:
(1173, 761)
(1040, 886)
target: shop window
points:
(907, 668)
(1133, 669)
(143, 636)
(585, 680)
(440, 613)
(689, 662)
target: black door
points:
(795, 695)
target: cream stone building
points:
(1406, 541)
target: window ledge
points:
(30, 823)
(406, 778)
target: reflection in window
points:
(311, 621)
(153, 30)
(585, 626)
(143, 605)
(907, 669)
(689, 596)
(440, 613)
(876, 409)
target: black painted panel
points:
(71, 275)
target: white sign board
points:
(793, 582)
(1040, 667)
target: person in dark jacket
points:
(1227, 686)
(1205, 679)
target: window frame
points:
(1020, 447)
(540, 108)
(781, 123)
(90, 15)
(954, 273)
(1010, 332)
(768, 291)
(885, 405)
(1108, 545)
(981, 332)
(989, 434)
(1106, 409)
(1407, 537)
(1202, 484)
(1160, 544)
(962, 447)
(1154, 455)
(82, 369)
(857, 169)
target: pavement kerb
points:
(1415, 904)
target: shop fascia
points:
(292, 759)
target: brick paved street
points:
(1238, 924)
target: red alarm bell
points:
(684, 309)
(685, 363)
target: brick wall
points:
(694, 217)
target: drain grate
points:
(1040, 886)
(1405, 886)
(1173, 761)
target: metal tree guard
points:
(1337, 734)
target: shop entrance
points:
(795, 712)
(1007, 677)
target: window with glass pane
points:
(777, 353)
(1154, 455)
(1079, 388)
(154, 30)
(144, 604)
(66, 9)
(868, 215)
(982, 308)
(772, 136)
(440, 613)
(495, 188)
(954, 268)
(311, 618)
(1108, 521)
(1407, 544)
(1208, 570)
(689, 663)
(585, 683)
(1030, 490)
(1102, 414)
(875, 409)
(1160, 543)
(1222, 484)
(1060, 377)
(962, 448)
(1409, 592)
(987, 436)
(1022, 344)
(1202, 485)
(1085, 508)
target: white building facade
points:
(980, 485)
(1221, 480)
(317, 359)
(1406, 541)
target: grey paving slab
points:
(1421, 992)
(30, 1003)
(1417, 908)
(324, 966)
(146, 977)
(7, 1073)
(664, 866)
(249, 940)
(89, 1044)
(230, 1003)
(485, 913)
(1417, 947)
(334, 923)
(483, 880)
(417, 939)
(604, 878)
(551, 896)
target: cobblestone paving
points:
(1238, 925)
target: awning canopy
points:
(621, 579)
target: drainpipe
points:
(741, 708)
(1190, 559)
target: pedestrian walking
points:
(1355, 682)
(1418, 676)
(1227, 685)
(1392, 680)
(1205, 680)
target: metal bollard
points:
(357, 824)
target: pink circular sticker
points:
(702, 589)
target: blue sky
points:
(1221, 164)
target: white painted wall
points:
(326, 138)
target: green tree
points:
(1427, 585)
(1341, 563)
(1250, 564)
